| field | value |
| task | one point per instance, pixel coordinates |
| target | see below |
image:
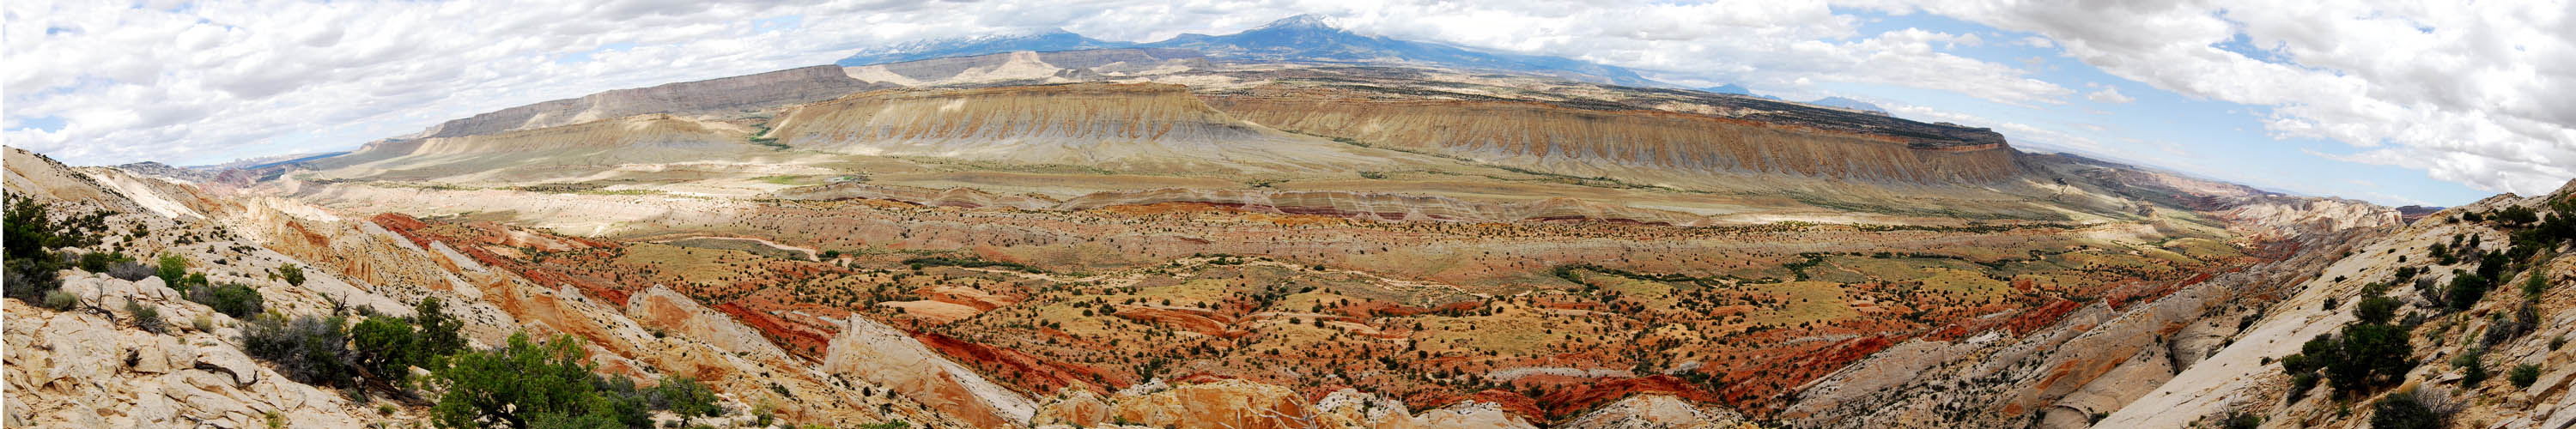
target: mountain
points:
(1728, 89)
(1302, 38)
(1849, 104)
(1054, 39)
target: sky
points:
(2428, 102)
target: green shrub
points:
(524, 383)
(173, 270)
(2472, 372)
(294, 275)
(100, 262)
(2523, 375)
(688, 398)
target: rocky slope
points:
(2246, 377)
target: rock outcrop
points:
(870, 350)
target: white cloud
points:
(2109, 95)
(2474, 94)
(207, 81)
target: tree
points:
(688, 398)
(386, 347)
(515, 383)
(2372, 354)
(2377, 309)
(438, 330)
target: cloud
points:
(2470, 94)
(207, 81)
(2109, 95)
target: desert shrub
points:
(293, 275)
(2523, 375)
(146, 317)
(232, 299)
(2503, 329)
(2241, 420)
(129, 270)
(2473, 367)
(59, 299)
(312, 350)
(99, 262)
(2417, 409)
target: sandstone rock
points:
(873, 351)
(1655, 411)
(229, 362)
(1226, 404)
(1075, 407)
(1472, 414)
(160, 355)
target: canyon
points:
(1156, 237)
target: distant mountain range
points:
(1298, 38)
(1849, 104)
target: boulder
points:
(229, 362)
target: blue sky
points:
(2383, 100)
(2202, 137)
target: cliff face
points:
(1610, 142)
(713, 96)
(1344, 204)
(1148, 127)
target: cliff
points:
(713, 96)
(1138, 127)
(1624, 143)
(1344, 204)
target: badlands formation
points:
(1154, 238)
